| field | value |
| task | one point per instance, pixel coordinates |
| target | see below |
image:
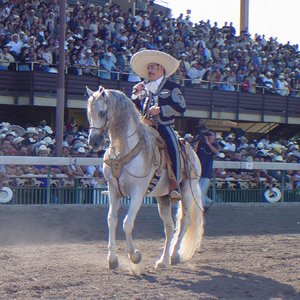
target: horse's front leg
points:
(164, 207)
(128, 225)
(112, 220)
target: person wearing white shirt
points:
(5, 58)
(229, 145)
(161, 100)
(15, 44)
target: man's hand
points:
(138, 88)
(154, 110)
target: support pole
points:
(60, 103)
(244, 16)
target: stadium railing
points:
(82, 191)
(29, 88)
(117, 75)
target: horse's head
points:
(97, 112)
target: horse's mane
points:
(121, 109)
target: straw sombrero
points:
(142, 59)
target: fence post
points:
(214, 185)
(48, 186)
(282, 186)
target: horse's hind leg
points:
(164, 207)
(128, 224)
(189, 223)
(182, 223)
(112, 220)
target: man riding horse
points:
(160, 100)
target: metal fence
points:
(95, 196)
(250, 195)
(59, 195)
(77, 194)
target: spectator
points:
(86, 63)
(107, 66)
(195, 72)
(122, 62)
(249, 85)
(40, 65)
(206, 82)
(47, 55)
(268, 83)
(3, 174)
(206, 149)
(15, 45)
(71, 126)
(281, 86)
(229, 144)
(6, 58)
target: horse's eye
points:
(102, 114)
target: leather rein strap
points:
(116, 164)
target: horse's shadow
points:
(218, 283)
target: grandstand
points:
(27, 97)
(263, 122)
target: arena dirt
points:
(59, 252)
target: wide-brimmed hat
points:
(188, 136)
(48, 140)
(42, 148)
(5, 194)
(31, 130)
(81, 150)
(48, 129)
(140, 61)
(278, 158)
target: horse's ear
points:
(101, 90)
(89, 92)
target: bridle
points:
(101, 129)
(101, 91)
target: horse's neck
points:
(124, 140)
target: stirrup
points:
(175, 195)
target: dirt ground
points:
(59, 252)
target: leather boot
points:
(174, 190)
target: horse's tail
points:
(194, 219)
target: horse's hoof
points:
(175, 260)
(113, 263)
(136, 257)
(160, 265)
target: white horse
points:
(133, 166)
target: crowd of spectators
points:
(100, 41)
(40, 141)
(236, 147)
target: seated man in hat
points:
(6, 58)
(161, 100)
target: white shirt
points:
(230, 146)
(153, 85)
(149, 87)
(16, 46)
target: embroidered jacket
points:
(170, 100)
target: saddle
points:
(160, 159)
(185, 149)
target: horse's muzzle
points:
(96, 140)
